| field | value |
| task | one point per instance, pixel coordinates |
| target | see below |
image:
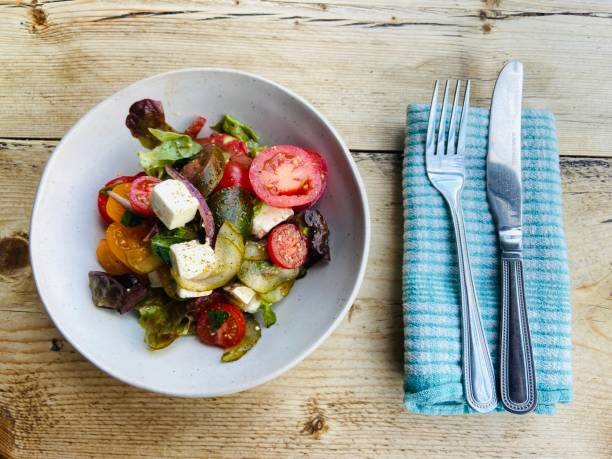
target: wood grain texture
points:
(342, 401)
(360, 63)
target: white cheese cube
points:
(267, 217)
(191, 259)
(253, 305)
(173, 203)
(241, 293)
(154, 280)
(184, 293)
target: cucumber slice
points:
(231, 233)
(253, 333)
(256, 250)
(280, 292)
(263, 276)
(232, 205)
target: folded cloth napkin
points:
(431, 292)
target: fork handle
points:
(517, 375)
(478, 374)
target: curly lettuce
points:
(164, 320)
(173, 147)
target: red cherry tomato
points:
(103, 198)
(236, 173)
(221, 325)
(287, 246)
(195, 127)
(140, 195)
(286, 176)
(227, 142)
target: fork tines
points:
(453, 146)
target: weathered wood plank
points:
(343, 401)
(360, 64)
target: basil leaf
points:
(130, 219)
(173, 147)
(216, 318)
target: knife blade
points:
(504, 193)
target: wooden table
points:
(360, 62)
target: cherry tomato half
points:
(286, 176)
(140, 195)
(103, 198)
(227, 142)
(235, 173)
(221, 325)
(287, 246)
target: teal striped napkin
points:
(431, 294)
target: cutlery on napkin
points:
(431, 289)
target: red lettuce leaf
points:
(146, 114)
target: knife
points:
(504, 192)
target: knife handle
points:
(517, 373)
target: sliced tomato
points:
(221, 325)
(140, 195)
(227, 142)
(129, 246)
(195, 127)
(103, 197)
(109, 262)
(287, 246)
(286, 176)
(113, 208)
(236, 173)
(324, 171)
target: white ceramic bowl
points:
(65, 230)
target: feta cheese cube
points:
(241, 294)
(267, 217)
(184, 293)
(253, 305)
(191, 259)
(154, 280)
(173, 203)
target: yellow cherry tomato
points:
(127, 244)
(115, 210)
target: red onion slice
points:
(208, 221)
(152, 232)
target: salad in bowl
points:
(211, 234)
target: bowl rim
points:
(37, 272)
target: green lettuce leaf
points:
(161, 242)
(163, 320)
(173, 147)
(267, 314)
(238, 129)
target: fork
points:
(446, 171)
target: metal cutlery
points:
(446, 172)
(504, 192)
